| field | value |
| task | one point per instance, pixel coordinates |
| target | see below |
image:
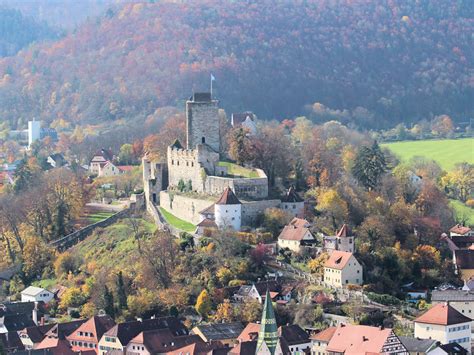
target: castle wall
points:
(184, 207)
(202, 124)
(253, 188)
(252, 209)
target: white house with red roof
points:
(228, 211)
(445, 324)
(295, 235)
(342, 269)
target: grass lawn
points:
(99, 216)
(237, 170)
(112, 246)
(461, 210)
(46, 283)
(177, 222)
(447, 152)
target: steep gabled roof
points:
(176, 144)
(96, 325)
(417, 345)
(338, 259)
(343, 232)
(207, 223)
(291, 196)
(250, 332)
(293, 334)
(292, 232)
(37, 333)
(228, 198)
(442, 314)
(220, 331)
(299, 222)
(33, 291)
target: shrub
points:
(470, 203)
(384, 299)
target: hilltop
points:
(18, 31)
(369, 63)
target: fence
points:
(72, 239)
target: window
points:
(203, 139)
(172, 162)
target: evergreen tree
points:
(121, 292)
(369, 166)
(108, 299)
(189, 186)
(181, 185)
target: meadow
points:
(447, 152)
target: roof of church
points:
(228, 198)
(268, 330)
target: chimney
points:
(364, 338)
(35, 313)
(42, 321)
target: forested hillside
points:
(373, 63)
(18, 31)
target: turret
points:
(228, 211)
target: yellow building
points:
(342, 269)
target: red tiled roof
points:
(207, 223)
(96, 325)
(299, 222)
(460, 229)
(338, 259)
(250, 332)
(358, 339)
(324, 335)
(228, 198)
(208, 210)
(125, 167)
(343, 232)
(442, 314)
(292, 232)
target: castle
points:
(194, 177)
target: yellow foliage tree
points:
(316, 266)
(203, 304)
(225, 312)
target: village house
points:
(36, 294)
(445, 324)
(461, 231)
(257, 291)
(296, 338)
(461, 300)
(15, 316)
(246, 120)
(32, 336)
(343, 241)
(292, 203)
(87, 336)
(56, 160)
(296, 235)
(449, 349)
(342, 269)
(118, 337)
(417, 346)
(358, 339)
(159, 341)
(10, 343)
(320, 341)
(55, 338)
(99, 159)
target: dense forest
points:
(18, 31)
(368, 63)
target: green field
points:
(177, 222)
(237, 170)
(447, 152)
(99, 216)
(462, 211)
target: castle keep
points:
(198, 169)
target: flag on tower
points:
(212, 77)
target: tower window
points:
(203, 139)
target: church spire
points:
(268, 334)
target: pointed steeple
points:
(268, 334)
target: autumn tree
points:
(316, 265)
(442, 126)
(240, 147)
(331, 203)
(203, 304)
(460, 182)
(159, 257)
(369, 166)
(38, 259)
(224, 313)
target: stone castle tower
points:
(202, 121)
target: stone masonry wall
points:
(183, 165)
(252, 209)
(184, 207)
(202, 123)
